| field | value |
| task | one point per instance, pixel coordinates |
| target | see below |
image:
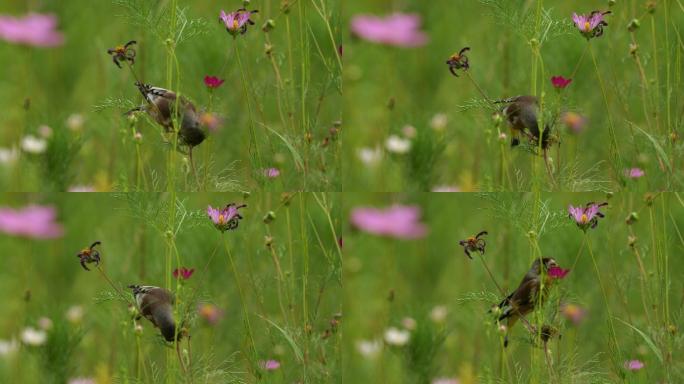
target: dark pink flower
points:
(574, 313)
(397, 221)
(270, 365)
(590, 25)
(271, 173)
(212, 82)
(33, 221)
(33, 29)
(560, 82)
(237, 22)
(227, 218)
(634, 365)
(183, 273)
(210, 313)
(558, 272)
(588, 216)
(398, 29)
(634, 173)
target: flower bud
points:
(268, 25)
(269, 217)
(632, 218)
(633, 25)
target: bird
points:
(161, 104)
(521, 113)
(156, 305)
(526, 297)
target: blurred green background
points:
(291, 313)
(291, 118)
(388, 88)
(429, 288)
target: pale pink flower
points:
(634, 173)
(33, 221)
(634, 365)
(270, 365)
(33, 29)
(397, 221)
(398, 29)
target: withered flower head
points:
(474, 244)
(124, 53)
(89, 255)
(458, 61)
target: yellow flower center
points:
(119, 48)
(235, 24)
(221, 219)
(587, 26)
(584, 218)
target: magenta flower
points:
(398, 221)
(590, 25)
(183, 273)
(398, 29)
(210, 313)
(588, 216)
(270, 365)
(634, 365)
(212, 82)
(227, 218)
(634, 173)
(558, 272)
(272, 173)
(560, 82)
(237, 22)
(574, 313)
(33, 29)
(33, 221)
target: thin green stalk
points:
(243, 304)
(252, 132)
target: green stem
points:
(249, 107)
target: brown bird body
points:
(161, 106)
(527, 296)
(521, 113)
(156, 305)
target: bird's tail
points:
(164, 319)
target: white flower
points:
(32, 144)
(81, 188)
(75, 122)
(445, 188)
(8, 155)
(409, 323)
(31, 336)
(445, 380)
(409, 131)
(45, 323)
(370, 156)
(368, 348)
(439, 121)
(438, 314)
(82, 380)
(394, 336)
(396, 144)
(8, 346)
(74, 314)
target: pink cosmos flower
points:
(272, 173)
(398, 221)
(212, 82)
(33, 29)
(590, 25)
(560, 82)
(634, 365)
(33, 221)
(227, 218)
(574, 313)
(634, 173)
(237, 22)
(270, 365)
(588, 216)
(398, 29)
(183, 273)
(210, 313)
(211, 120)
(558, 272)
